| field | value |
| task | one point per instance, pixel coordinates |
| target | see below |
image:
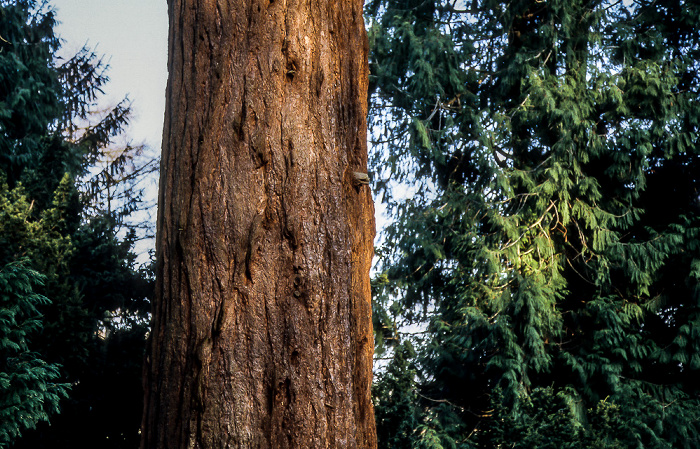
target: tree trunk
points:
(261, 332)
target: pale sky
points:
(132, 34)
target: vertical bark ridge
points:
(262, 320)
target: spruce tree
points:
(549, 249)
(29, 391)
(66, 239)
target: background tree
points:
(262, 318)
(93, 324)
(549, 255)
(28, 392)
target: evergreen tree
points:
(395, 399)
(549, 249)
(28, 388)
(261, 330)
(28, 392)
(67, 194)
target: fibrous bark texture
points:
(261, 331)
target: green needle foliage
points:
(73, 301)
(540, 162)
(28, 392)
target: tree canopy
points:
(539, 281)
(73, 300)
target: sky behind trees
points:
(132, 35)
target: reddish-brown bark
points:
(261, 331)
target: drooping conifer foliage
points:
(73, 301)
(545, 265)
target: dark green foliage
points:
(549, 249)
(28, 388)
(551, 420)
(29, 86)
(395, 400)
(66, 197)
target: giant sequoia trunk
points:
(261, 323)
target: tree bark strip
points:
(261, 334)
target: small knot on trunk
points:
(361, 179)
